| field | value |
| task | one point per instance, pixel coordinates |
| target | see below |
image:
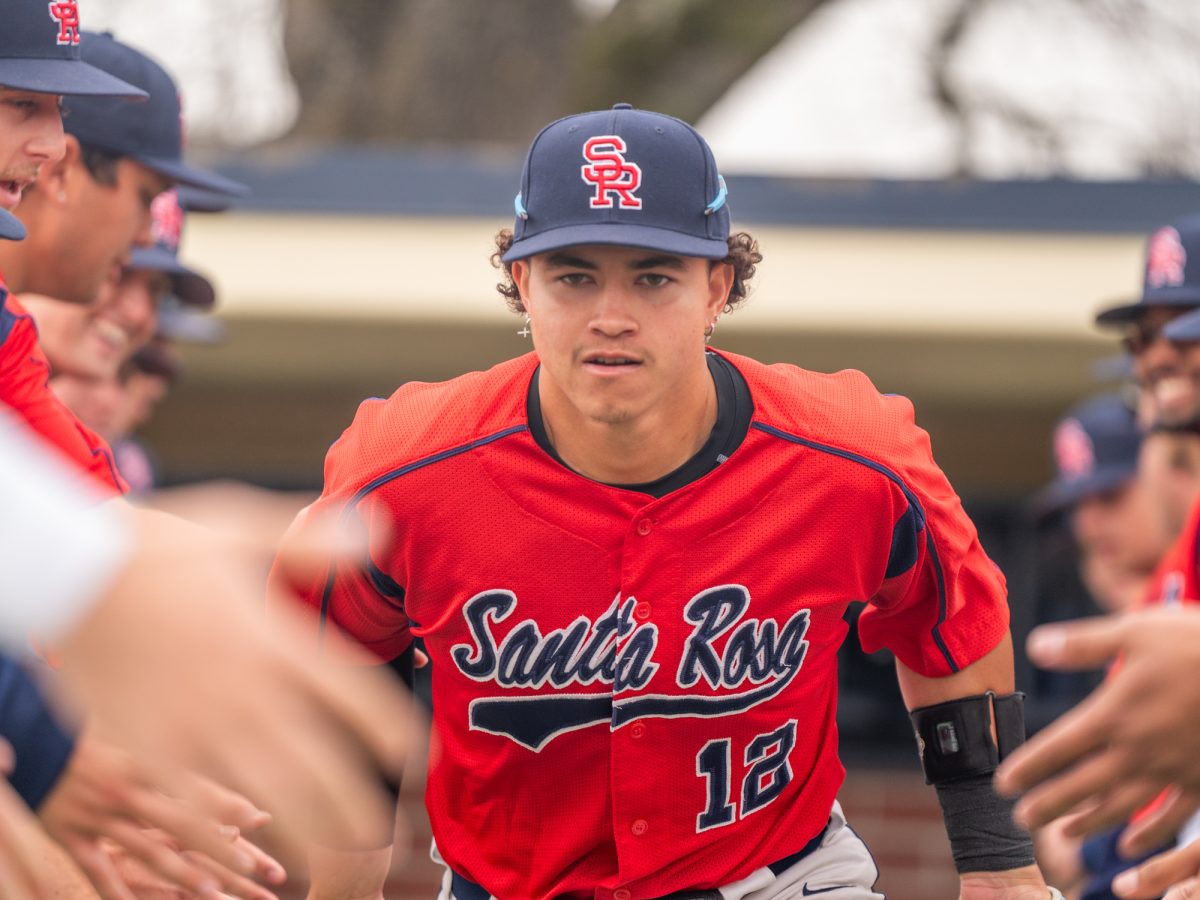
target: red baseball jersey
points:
(24, 386)
(635, 695)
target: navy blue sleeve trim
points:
(41, 745)
(8, 318)
(383, 479)
(914, 504)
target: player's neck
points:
(638, 450)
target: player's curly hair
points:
(744, 256)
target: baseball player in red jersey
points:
(629, 558)
(39, 62)
(86, 209)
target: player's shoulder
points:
(423, 419)
(843, 410)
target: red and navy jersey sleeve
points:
(943, 603)
(24, 386)
(933, 596)
(354, 594)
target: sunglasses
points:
(1136, 337)
(1140, 334)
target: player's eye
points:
(655, 279)
(575, 279)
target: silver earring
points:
(524, 332)
(712, 326)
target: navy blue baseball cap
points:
(40, 45)
(621, 176)
(166, 228)
(1095, 450)
(150, 133)
(1172, 273)
(11, 228)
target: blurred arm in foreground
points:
(175, 658)
(1137, 734)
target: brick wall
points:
(893, 811)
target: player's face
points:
(620, 330)
(1167, 468)
(31, 134)
(98, 225)
(93, 341)
(1122, 528)
(1171, 383)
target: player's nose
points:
(612, 314)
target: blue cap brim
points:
(1063, 494)
(196, 200)
(71, 77)
(620, 234)
(11, 228)
(182, 173)
(1185, 328)
(187, 284)
(1131, 312)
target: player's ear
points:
(720, 283)
(520, 277)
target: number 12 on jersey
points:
(767, 774)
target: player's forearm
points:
(993, 856)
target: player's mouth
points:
(111, 335)
(610, 363)
(11, 190)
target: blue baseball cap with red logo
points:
(150, 133)
(1095, 449)
(166, 228)
(1172, 273)
(621, 176)
(40, 46)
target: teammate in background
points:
(94, 340)
(1160, 333)
(1121, 536)
(1117, 527)
(116, 407)
(68, 560)
(629, 558)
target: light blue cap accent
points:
(522, 213)
(719, 200)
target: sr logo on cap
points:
(66, 14)
(611, 173)
(1166, 259)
